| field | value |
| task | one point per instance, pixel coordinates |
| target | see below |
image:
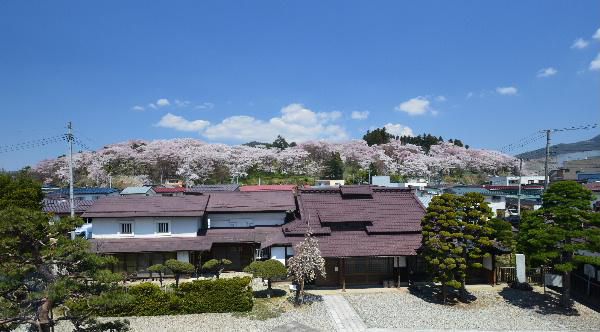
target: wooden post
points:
(342, 268)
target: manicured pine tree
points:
(442, 226)
(560, 230)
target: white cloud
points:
(595, 64)
(580, 43)
(470, 95)
(181, 103)
(138, 108)
(415, 106)
(296, 123)
(507, 90)
(163, 102)
(152, 106)
(597, 34)
(205, 106)
(356, 115)
(181, 124)
(547, 72)
(440, 98)
(397, 129)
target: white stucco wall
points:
(246, 219)
(278, 253)
(144, 227)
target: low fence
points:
(509, 275)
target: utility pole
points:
(546, 177)
(519, 194)
(70, 139)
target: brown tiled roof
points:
(269, 187)
(594, 186)
(148, 206)
(387, 210)
(356, 190)
(251, 201)
(202, 242)
(164, 244)
(62, 206)
(361, 244)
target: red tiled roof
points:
(251, 201)
(269, 187)
(148, 206)
(63, 207)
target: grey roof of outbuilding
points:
(63, 207)
(148, 206)
(254, 201)
(210, 188)
(136, 190)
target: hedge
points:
(147, 299)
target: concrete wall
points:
(144, 227)
(506, 180)
(220, 220)
(279, 253)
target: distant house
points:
(138, 191)
(269, 187)
(496, 200)
(514, 180)
(196, 190)
(329, 183)
(384, 181)
(83, 193)
(571, 169)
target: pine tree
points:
(564, 226)
(443, 254)
(335, 167)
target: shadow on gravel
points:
(261, 294)
(545, 304)
(433, 294)
(307, 299)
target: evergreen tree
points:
(280, 143)
(443, 254)
(335, 167)
(179, 268)
(270, 269)
(564, 226)
(378, 136)
(41, 267)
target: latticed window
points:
(163, 227)
(126, 228)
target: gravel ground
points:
(313, 316)
(494, 309)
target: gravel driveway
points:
(495, 309)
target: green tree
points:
(477, 231)
(280, 143)
(564, 226)
(20, 190)
(444, 255)
(377, 136)
(334, 169)
(216, 266)
(270, 269)
(160, 269)
(179, 268)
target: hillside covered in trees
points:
(198, 162)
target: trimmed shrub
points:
(147, 299)
(150, 300)
(219, 295)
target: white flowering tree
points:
(306, 265)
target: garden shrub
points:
(220, 295)
(147, 299)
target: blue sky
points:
(487, 72)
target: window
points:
(126, 228)
(163, 227)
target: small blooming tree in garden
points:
(306, 264)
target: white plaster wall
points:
(144, 227)
(246, 219)
(278, 253)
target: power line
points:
(32, 143)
